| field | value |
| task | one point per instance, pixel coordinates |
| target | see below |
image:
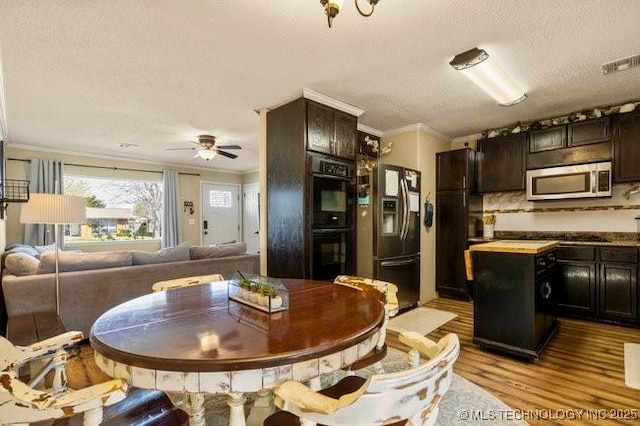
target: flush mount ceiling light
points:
(332, 8)
(489, 76)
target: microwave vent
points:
(621, 64)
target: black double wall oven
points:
(332, 217)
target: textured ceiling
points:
(86, 76)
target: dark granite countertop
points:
(626, 239)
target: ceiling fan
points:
(208, 149)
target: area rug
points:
(422, 320)
(462, 399)
(632, 365)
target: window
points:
(117, 209)
(220, 198)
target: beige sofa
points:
(86, 294)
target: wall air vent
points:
(621, 64)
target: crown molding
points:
(468, 138)
(370, 130)
(333, 103)
(418, 127)
(128, 159)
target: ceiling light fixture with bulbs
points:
(489, 76)
(206, 154)
(332, 8)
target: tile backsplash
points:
(612, 214)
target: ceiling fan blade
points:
(229, 146)
(181, 149)
(227, 154)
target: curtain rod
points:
(105, 167)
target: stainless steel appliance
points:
(394, 249)
(333, 209)
(577, 181)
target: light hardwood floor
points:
(582, 368)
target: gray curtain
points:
(171, 232)
(45, 177)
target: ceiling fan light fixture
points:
(206, 154)
(489, 76)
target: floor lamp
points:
(54, 209)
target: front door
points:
(251, 216)
(220, 213)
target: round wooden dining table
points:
(197, 341)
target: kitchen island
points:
(513, 300)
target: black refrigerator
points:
(396, 230)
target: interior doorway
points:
(220, 213)
(251, 217)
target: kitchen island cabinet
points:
(513, 303)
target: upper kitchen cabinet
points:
(588, 132)
(456, 170)
(502, 166)
(579, 142)
(330, 131)
(626, 137)
(548, 139)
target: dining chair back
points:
(184, 282)
(388, 296)
(412, 394)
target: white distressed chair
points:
(20, 403)
(388, 296)
(184, 282)
(411, 395)
(51, 353)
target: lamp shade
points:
(54, 209)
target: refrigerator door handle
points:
(397, 262)
(405, 215)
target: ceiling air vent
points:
(621, 64)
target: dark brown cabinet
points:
(330, 131)
(304, 238)
(588, 132)
(579, 142)
(502, 166)
(456, 170)
(626, 136)
(513, 301)
(598, 283)
(458, 216)
(548, 139)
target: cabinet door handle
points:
(464, 182)
(464, 199)
(547, 289)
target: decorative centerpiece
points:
(264, 293)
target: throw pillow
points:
(45, 249)
(169, 254)
(20, 264)
(18, 248)
(219, 250)
(72, 261)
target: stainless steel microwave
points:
(578, 181)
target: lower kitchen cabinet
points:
(513, 304)
(598, 283)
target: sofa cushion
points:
(169, 254)
(219, 250)
(20, 264)
(18, 248)
(79, 261)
